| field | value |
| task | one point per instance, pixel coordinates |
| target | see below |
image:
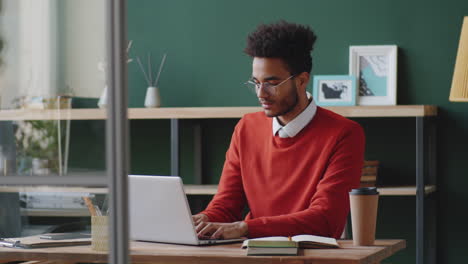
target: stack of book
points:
(47, 240)
(286, 246)
(369, 173)
(58, 200)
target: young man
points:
(293, 164)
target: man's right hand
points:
(199, 218)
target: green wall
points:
(205, 66)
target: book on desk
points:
(31, 242)
(279, 245)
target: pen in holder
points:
(152, 98)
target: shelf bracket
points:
(420, 193)
(175, 147)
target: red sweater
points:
(292, 186)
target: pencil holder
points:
(99, 233)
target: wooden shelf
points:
(209, 112)
(191, 189)
(405, 190)
(200, 189)
(386, 111)
(51, 189)
(63, 114)
(384, 191)
(59, 212)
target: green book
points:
(272, 251)
(270, 242)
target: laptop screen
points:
(159, 210)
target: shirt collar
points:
(292, 128)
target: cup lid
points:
(364, 191)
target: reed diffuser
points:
(102, 103)
(152, 98)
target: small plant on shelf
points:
(40, 143)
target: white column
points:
(37, 39)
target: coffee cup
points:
(364, 204)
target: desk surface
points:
(142, 252)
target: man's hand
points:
(199, 218)
(222, 230)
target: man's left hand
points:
(222, 230)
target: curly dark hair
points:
(290, 42)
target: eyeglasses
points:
(269, 88)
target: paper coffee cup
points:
(364, 204)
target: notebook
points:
(38, 242)
(159, 212)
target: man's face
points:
(274, 71)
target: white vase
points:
(152, 98)
(102, 103)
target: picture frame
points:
(335, 90)
(376, 69)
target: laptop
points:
(159, 212)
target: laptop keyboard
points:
(208, 238)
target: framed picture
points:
(335, 90)
(376, 68)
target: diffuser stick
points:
(150, 69)
(143, 70)
(129, 45)
(160, 69)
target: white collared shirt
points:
(292, 128)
